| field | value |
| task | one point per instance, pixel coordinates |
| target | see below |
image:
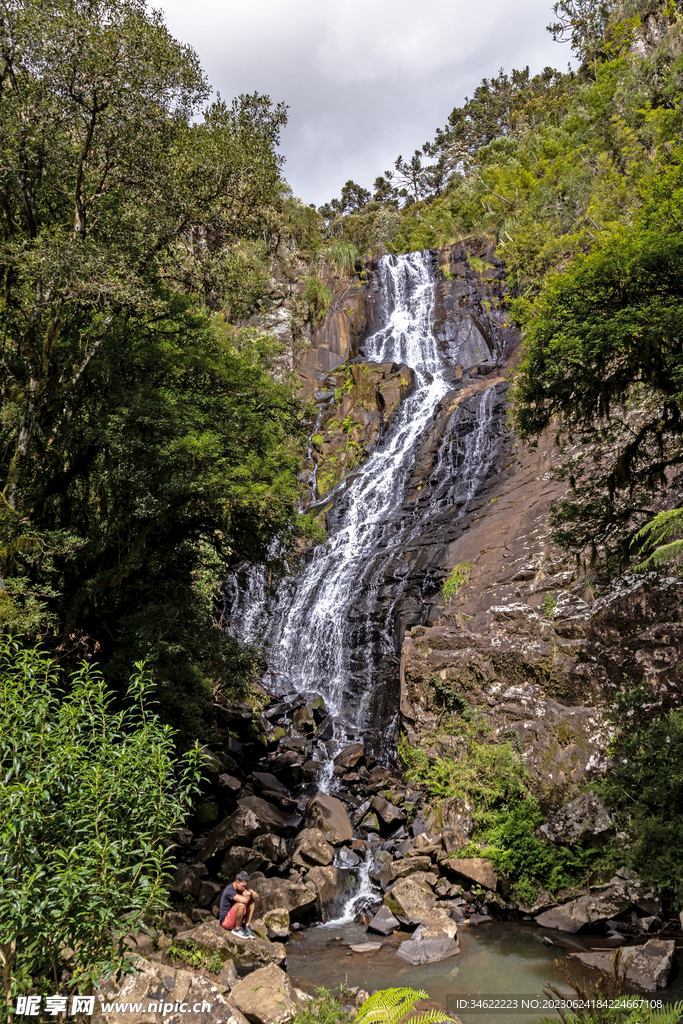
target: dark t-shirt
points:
(227, 900)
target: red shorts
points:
(230, 919)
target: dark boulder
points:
(243, 824)
(350, 756)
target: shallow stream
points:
(496, 959)
(503, 958)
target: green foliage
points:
(652, 536)
(324, 1009)
(303, 224)
(464, 759)
(317, 297)
(452, 700)
(345, 388)
(513, 846)
(145, 445)
(343, 255)
(549, 605)
(243, 278)
(484, 772)
(456, 579)
(644, 787)
(390, 1005)
(603, 338)
(190, 953)
(581, 22)
(90, 792)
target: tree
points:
(581, 23)
(140, 450)
(604, 360)
(108, 189)
(499, 107)
(353, 197)
(644, 784)
(90, 796)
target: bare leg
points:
(250, 912)
(239, 916)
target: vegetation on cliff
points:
(644, 787)
(464, 760)
(577, 178)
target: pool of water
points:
(496, 959)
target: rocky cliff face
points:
(528, 639)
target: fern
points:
(390, 1005)
(653, 535)
(669, 1015)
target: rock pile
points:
(304, 850)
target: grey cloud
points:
(364, 81)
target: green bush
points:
(514, 846)
(644, 788)
(90, 793)
(484, 773)
(456, 579)
(490, 776)
(324, 1009)
(343, 255)
(317, 297)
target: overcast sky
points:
(365, 80)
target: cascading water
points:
(319, 638)
(364, 891)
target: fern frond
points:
(654, 535)
(389, 1005)
(430, 1017)
(668, 1015)
(665, 553)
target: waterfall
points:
(322, 630)
(364, 890)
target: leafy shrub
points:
(485, 774)
(324, 1009)
(244, 280)
(343, 255)
(644, 788)
(490, 776)
(549, 605)
(452, 700)
(89, 793)
(513, 846)
(317, 297)
(456, 579)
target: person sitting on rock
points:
(237, 907)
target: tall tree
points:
(129, 420)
